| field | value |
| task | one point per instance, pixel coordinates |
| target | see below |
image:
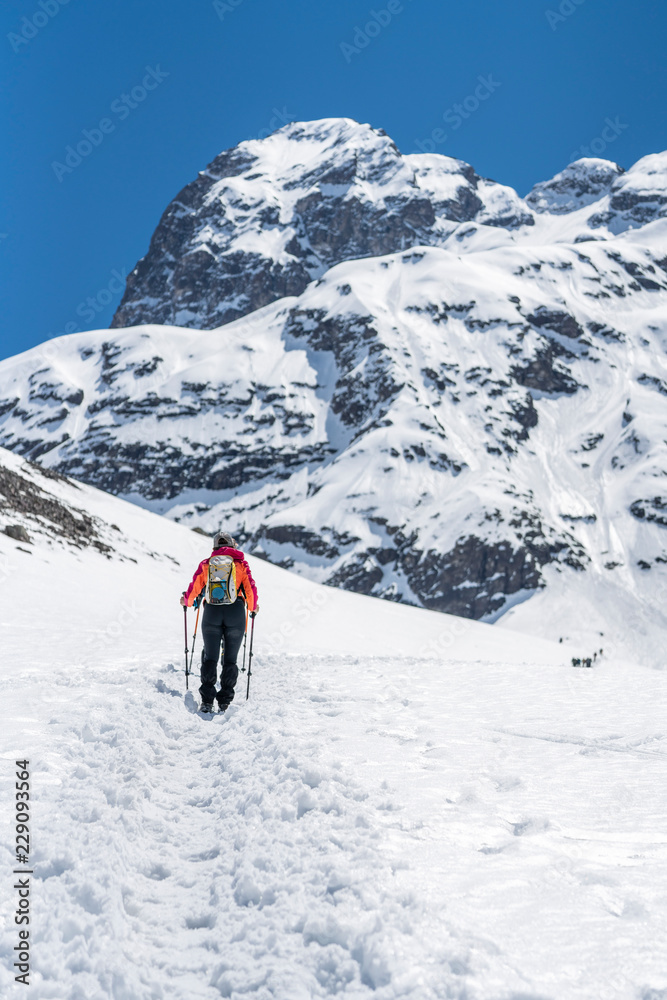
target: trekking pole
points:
(185, 626)
(245, 639)
(194, 639)
(252, 632)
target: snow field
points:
(409, 806)
(223, 858)
(377, 827)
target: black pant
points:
(221, 623)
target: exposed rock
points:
(22, 496)
(544, 373)
(653, 510)
(18, 532)
(475, 578)
(309, 541)
(556, 319)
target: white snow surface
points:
(410, 805)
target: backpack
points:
(221, 586)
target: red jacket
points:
(245, 585)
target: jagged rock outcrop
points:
(46, 513)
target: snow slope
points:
(409, 805)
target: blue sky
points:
(201, 76)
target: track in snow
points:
(370, 828)
(231, 856)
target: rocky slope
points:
(41, 510)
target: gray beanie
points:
(223, 538)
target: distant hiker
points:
(225, 584)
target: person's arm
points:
(249, 589)
(197, 584)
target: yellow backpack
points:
(221, 585)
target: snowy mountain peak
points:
(330, 133)
(267, 217)
(581, 183)
(605, 198)
(328, 151)
(270, 215)
(640, 195)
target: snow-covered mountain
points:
(614, 200)
(421, 426)
(399, 783)
(455, 425)
(269, 216)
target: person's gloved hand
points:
(183, 600)
(253, 614)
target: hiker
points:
(225, 584)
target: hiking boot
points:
(206, 706)
(223, 705)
